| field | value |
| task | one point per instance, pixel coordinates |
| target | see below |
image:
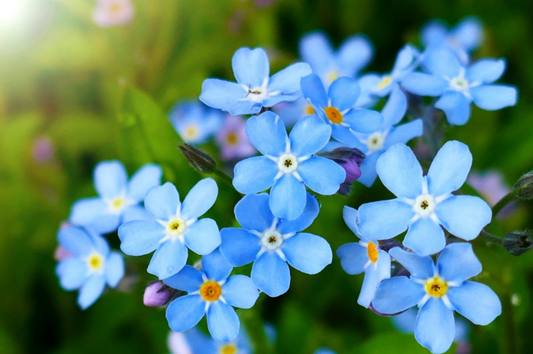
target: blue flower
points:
(324, 351)
(353, 55)
(364, 256)
(458, 86)
(289, 163)
(198, 343)
(464, 38)
(336, 107)
(174, 228)
(425, 203)
(292, 112)
(91, 266)
(254, 88)
(271, 243)
(373, 145)
(195, 122)
(210, 292)
(438, 290)
(118, 199)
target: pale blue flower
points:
(195, 122)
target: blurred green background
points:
(66, 103)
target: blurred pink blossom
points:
(108, 13)
(232, 139)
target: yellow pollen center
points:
(117, 203)
(424, 205)
(436, 287)
(228, 349)
(333, 75)
(384, 82)
(176, 226)
(191, 132)
(373, 252)
(309, 110)
(334, 115)
(232, 138)
(95, 261)
(115, 9)
(210, 291)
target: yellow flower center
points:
(191, 132)
(228, 349)
(334, 115)
(95, 262)
(333, 75)
(210, 291)
(384, 82)
(176, 226)
(309, 110)
(117, 204)
(232, 138)
(372, 251)
(436, 287)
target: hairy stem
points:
(502, 203)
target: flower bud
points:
(524, 186)
(198, 159)
(350, 159)
(156, 294)
(518, 242)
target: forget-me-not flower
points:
(118, 199)
(353, 55)
(425, 203)
(174, 228)
(195, 122)
(337, 107)
(254, 88)
(198, 343)
(232, 139)
(363, 256)
(324, 351)
(288, 164)
(271, 243)
(458, 86)
(438, 290)
(210, 292)
(91, 265)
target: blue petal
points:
(287, 81)
(442, 61)
(419, 267)
(355, 52)
(316, 49)
(364, 120)
(456, 106)
(71, 272)
(344, 93)
(239, 246)
(215, 266)
(100, 243)
(368, 169)
(308, 253)
(309, 136)
(322, 175)
(143, 180)
(400, 171)
(94, 213)
(271, 274)
(168, 259)
(373, 277)
(397, 294)
(75, 240)
(469, 33)
(353, 257)
(253, 213)
(435, 326)
(403, 60)
(384, 219)
(485, 71)
(449, 169)
(433, 32)
(185, 312)
(200, 199)
(114, 269)
(464, 216)
(395, 108)
(135, 213)
(314, 91)
(222, 322)
(240, 291)
(424, 84)
(367, 83)
(140, 237)
(91, 290)
(188, 279)
(110, 179)
(163, 202)
(457, 262)
(192, 341)
(405, 321)
(250, 66)
(303, 221)
(254, 174)
(203, 236)
(267, 134)
(351, 218)
(475, 301)
(403, 133)
(228, 96)
(425, 237)
(494, 97)
(288, 197)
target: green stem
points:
(223, 176)
(502, 203)
(508, 319)
(487, 236)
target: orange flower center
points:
(232, 139)
(210, 291)
(309, 110)
(373, 252)
(334, 115)
(228, 349)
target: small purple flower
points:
(232, 139)
(156, 294)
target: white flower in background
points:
(110, 13)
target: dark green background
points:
(63, 77)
